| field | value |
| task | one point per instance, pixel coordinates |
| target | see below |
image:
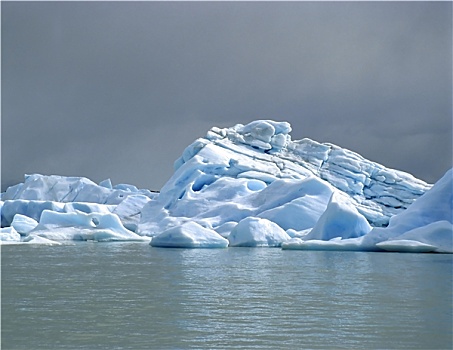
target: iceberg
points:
(340, 220)
(53, 207)
(39, 240)
(378, 192)
(303, 212)
(256, 232)
(349, 244)
(20, 226)
(229, 200)
(428, 220)
(29, 208)
(438, 235)
(406, 245)
(256, 170)
(54, 188)
(425, 227)
(79, 226)
(246, 185)
(9, 234)
(129, 210)
(69, 194)
(87, 208)
(189, 235)
(23, 224)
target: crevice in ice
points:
(95, 221)
(203, 181)
(71, 189)
(181, 196)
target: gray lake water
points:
(133, 296)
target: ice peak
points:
(265, 135)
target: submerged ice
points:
(248, 185)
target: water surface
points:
(133, 296)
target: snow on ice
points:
(248, 185)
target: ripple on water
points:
(133, 296)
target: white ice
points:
(87, 207)
(30, 208)
(79, 226)
(63, 189)
(189, 235)
(255, 186)
(230, 200)
(69, 194)
(405, 245)
(256, 232)
(23, 224)
(428, 220)
(129, 210)
(298, 243)
(257, 170)
(340, 219)
(33, 239)
(426, 226)
(9, 234)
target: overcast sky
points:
(118, 90)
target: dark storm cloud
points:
(111, 89)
